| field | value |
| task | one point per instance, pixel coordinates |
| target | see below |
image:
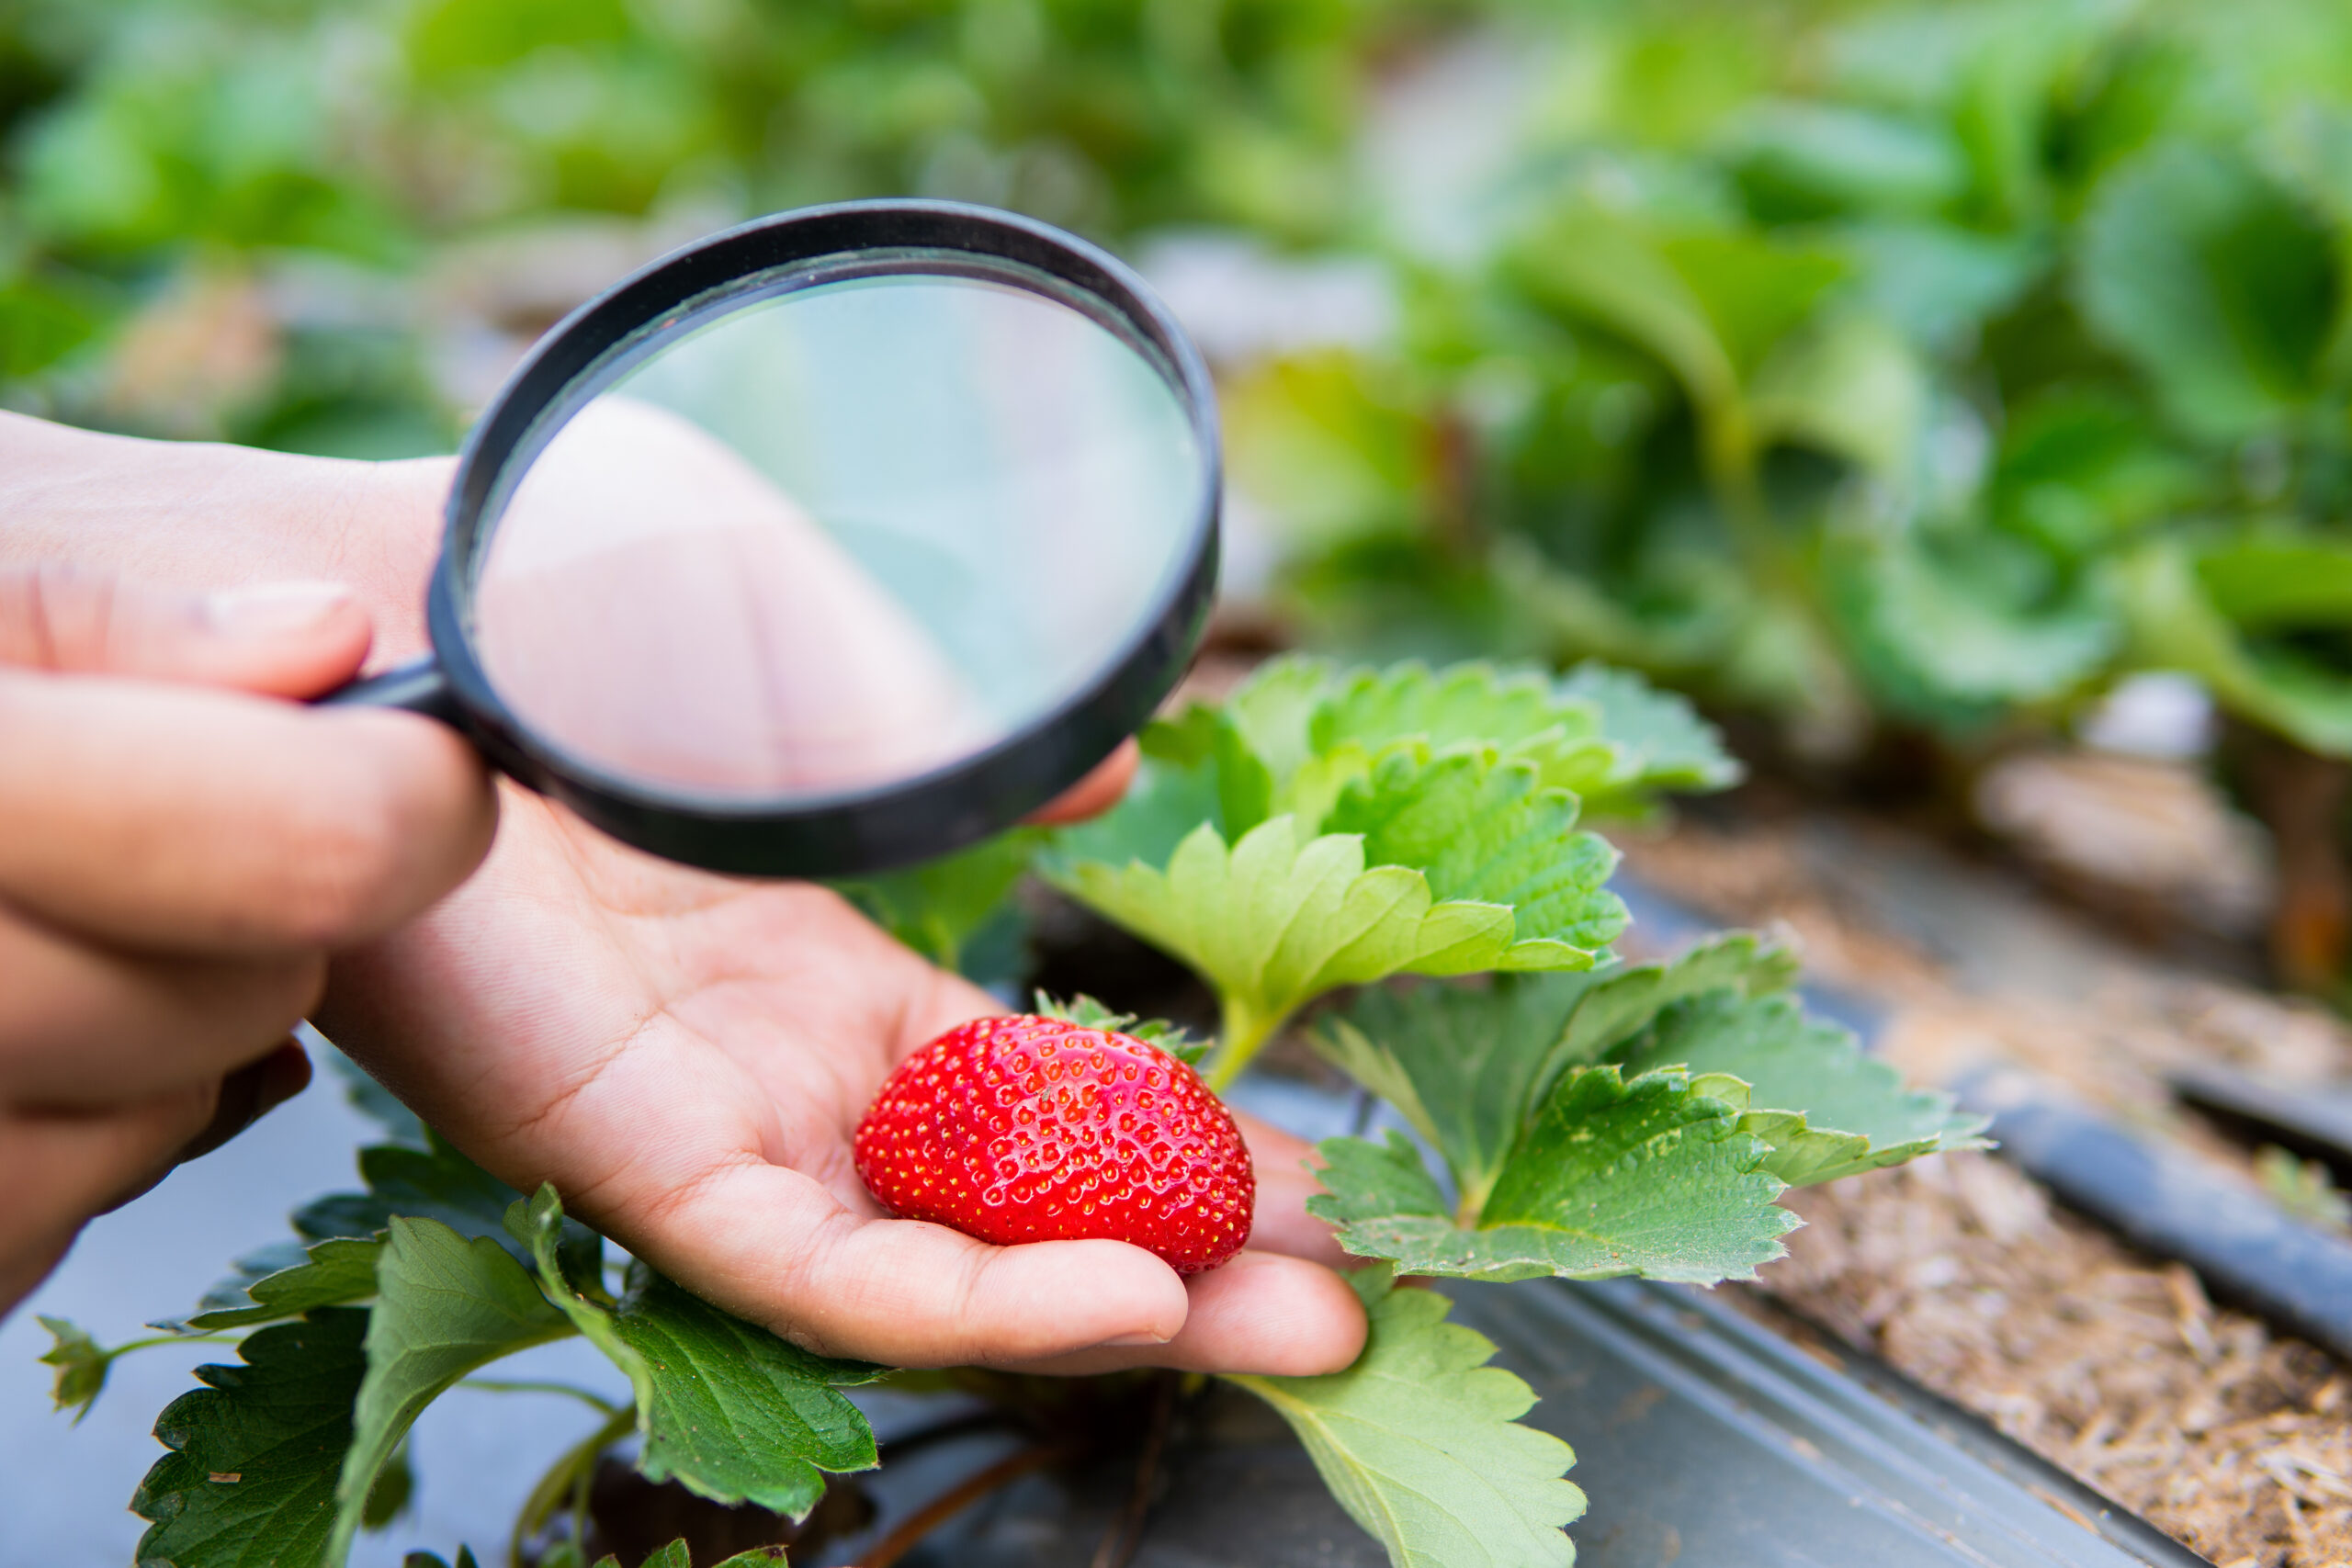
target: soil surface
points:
(1960, 1270)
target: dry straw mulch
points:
(1961, 1271)
(2116, 1368)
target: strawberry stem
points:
(1242, 1033)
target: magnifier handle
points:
(414, 687)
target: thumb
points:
(289, 639)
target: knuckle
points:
(342, 869)
(55, 616)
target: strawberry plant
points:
(1561, 1113)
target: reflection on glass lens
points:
(839, 537)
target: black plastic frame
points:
(854, 832)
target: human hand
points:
(684, 1055)
(176, 862)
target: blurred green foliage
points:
(1849, 361)
(152, 142)
(1932, 364)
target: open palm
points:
(686, 1056)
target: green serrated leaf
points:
(1420, 1442)
(445, 1306)
(333, 1273)
(1466, 1065)
(1281, 918)
(251, 1478)
(1648, 1175)
(1826, 1109)
(1657, 738)
(758, 1557)
(435, 1182)
(1486, 831)
(725, 1408)
(377, 1103)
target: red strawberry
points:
(1034, 1129)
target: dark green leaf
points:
(445, 1306)
(435, 1182)
(725, 1408)
(1420, 1442)
(250, 1480)
(1467, 1065)
(1646, 1176)
(333, 1273)
(1827, 1109)
(2216, 284)
(395, 1488)
(939, 907)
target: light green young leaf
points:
(81, 1364)
(2216, 284)
(1650, 1176)
(1484, 831)
(1660, 741)
(1807, 1088)
(1420, 1442)
(1467, 1065)
(725, 1408)
(250, 1480)
(445, 1306)
(1281, 918)
(332, 1274)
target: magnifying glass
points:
(831, 543)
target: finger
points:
(82, 1025)
(292, 639)
(58, 1170)
(250, 1093)
(1281, 1222)
(773, 1245)
(1096, 793)
(1261, 1313)
(272, 828)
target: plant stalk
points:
(953, 1501)
(1241, 1035)
(563, 1477)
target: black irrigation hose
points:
(2170, 1201)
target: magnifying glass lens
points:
(837, 537)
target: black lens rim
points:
(873, 829)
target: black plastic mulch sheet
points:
(1702, 1439)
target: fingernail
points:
(1125, 1339)
(276, 609)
